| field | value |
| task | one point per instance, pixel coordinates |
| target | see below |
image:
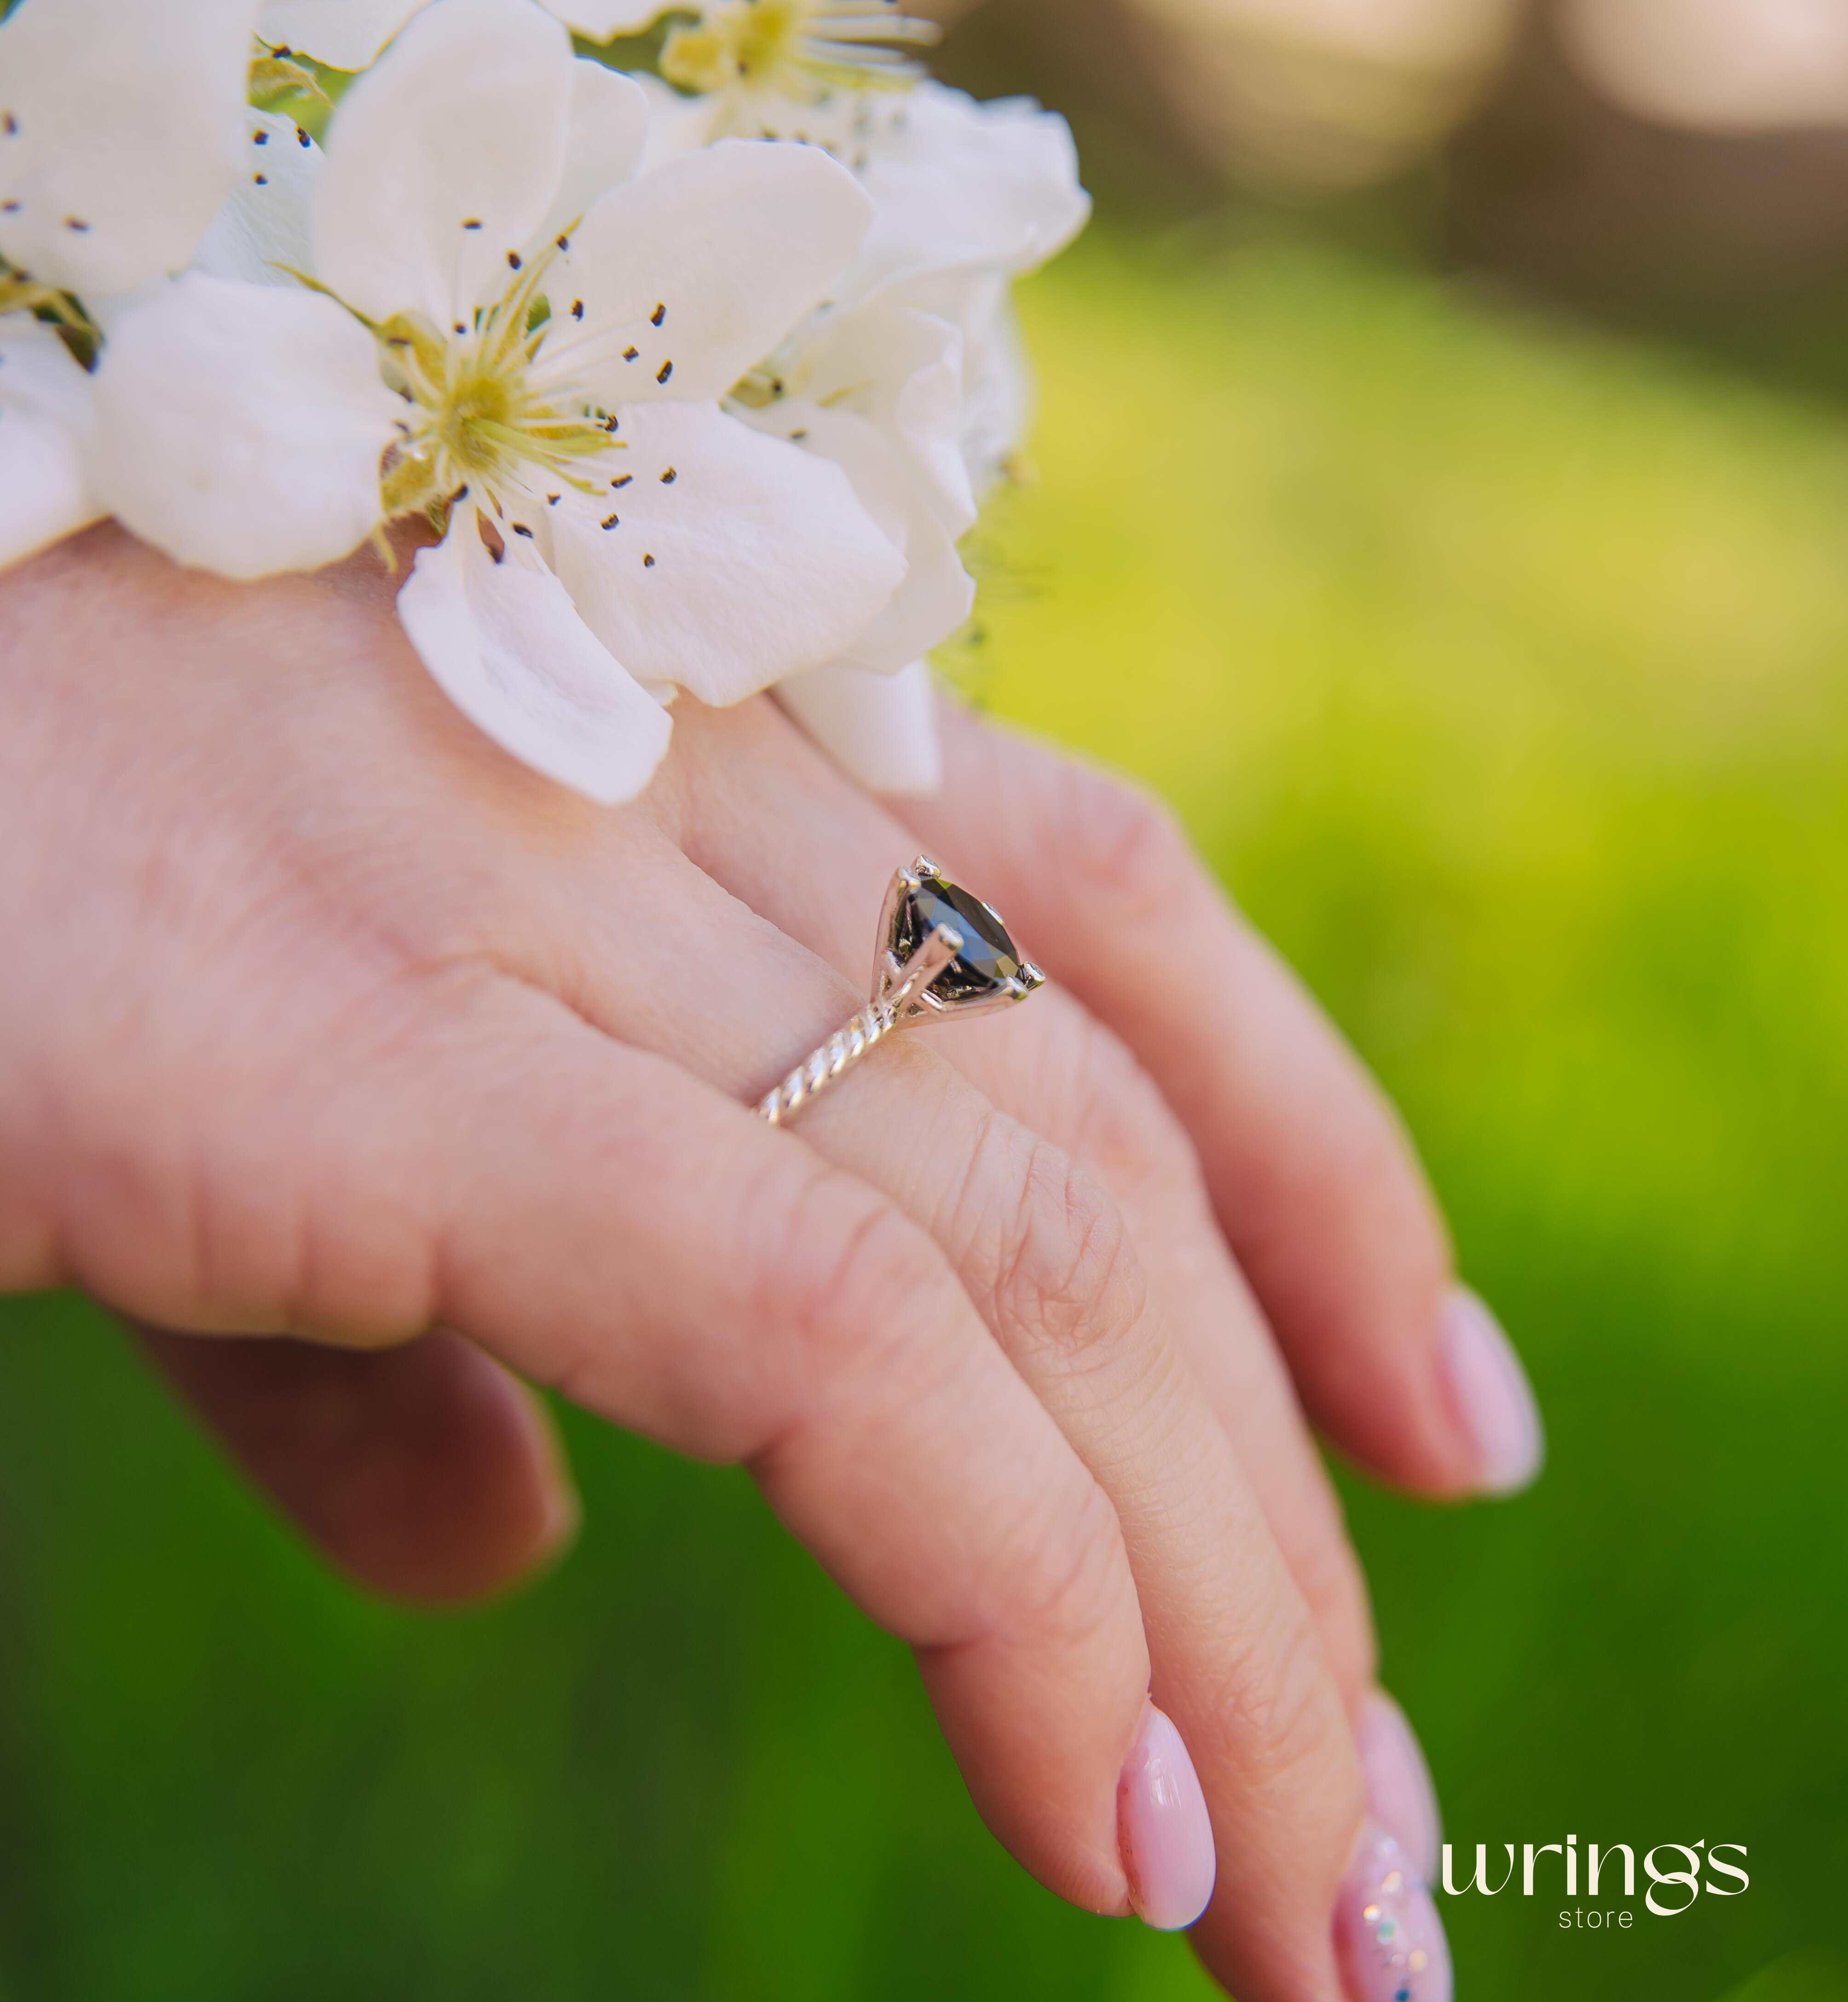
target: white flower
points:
(917, 370)
(351, 34)
(610, 533)
(967, 197)
(119, 136)
(877, 390)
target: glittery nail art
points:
(1387, 1935)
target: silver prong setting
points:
(904, 991)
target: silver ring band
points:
(940, 952)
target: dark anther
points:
(521, 528)
(659, 314)
(796, 437)
(259, 138)
(610, 521)
(577, 309)
(262, 180)
(471, 222)
(512, 260)
(551, 500)
(647, 563)
(301, 137)
(562, 241)
(630, 353)
(665, 370)
(622, 480)
(668, 478)
(75, 224)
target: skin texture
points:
(338, 1026)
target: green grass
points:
(1500, 667)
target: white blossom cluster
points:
(700, 376)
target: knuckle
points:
(1294, 1712)
(1066, 1277)
(1128, 843)
(1073, 1581)
(1121, 1124)
(840, 1287)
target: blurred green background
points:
(1501, 665)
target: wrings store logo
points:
(1700, 1868)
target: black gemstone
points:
(988, 960)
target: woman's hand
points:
(329, 1021)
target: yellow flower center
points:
(475, 419)
(800, 49)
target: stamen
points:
(803, 49)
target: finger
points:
(427, 1471)
(1040, 1245)
(804, 847)
(611, 1226)
(1313, 1179)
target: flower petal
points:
(997, 387)
(443, 161)
(262, 233)
(958, 182)
(45, 415)
(502, 639)
(880, 728)
(597, 20)
(344, 34)
(691, 273)
(239, 427)
(937, 593)
(609, 125)
(763, 561)
(120, 131)
(904, 370)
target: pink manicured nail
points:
(1399, 1795)
(1163, 1829)
(1388, 1938)
(1492, 1394)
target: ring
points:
(940, 952)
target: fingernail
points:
(1399, 1795)
(1492, 1394)
(1388, 1940)
(1162, 1827)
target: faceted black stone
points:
(988, 961)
